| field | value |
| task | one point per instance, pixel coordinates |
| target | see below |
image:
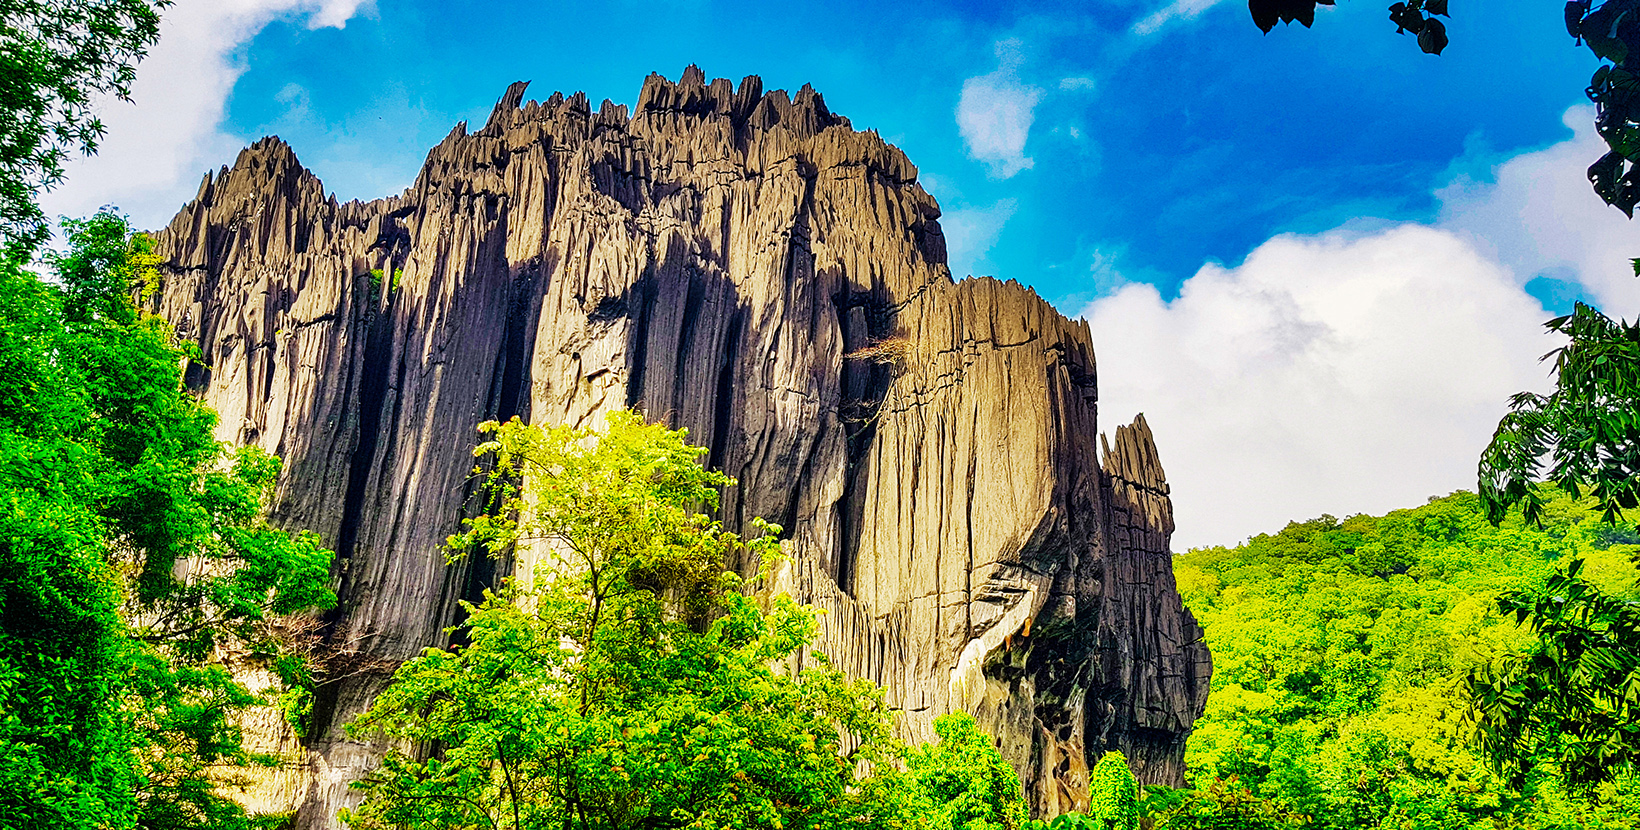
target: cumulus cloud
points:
(1538, 216)
(1178, 10)
(1361, 371)
(155, 150)
(1334, 374)
(995, 113)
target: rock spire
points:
(744, 264)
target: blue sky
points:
(1149, 153)
(1212, 198)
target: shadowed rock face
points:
(745, 265)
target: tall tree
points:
(629, 682)
(133, 552)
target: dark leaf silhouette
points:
(1407, 18)
(1576, 10)
(1433, 37)
(1603, 175)
(1611, 30)
(1266, 14)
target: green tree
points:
(963, 780)
(629, 682)
(1113, 801)
(1587, 429)
(1574, 693)
(133, 553)
(1573, 697)
(56, 57)
(634, 685)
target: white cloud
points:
(995, 113)
(1178, 10)
(1361, 370)
(970, 233)
(1537, 214)
(1334, 374)
(155, 151)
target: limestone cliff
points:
(746, 265)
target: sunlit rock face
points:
(746, 265)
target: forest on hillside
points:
(1342, 651)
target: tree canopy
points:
(629, 681)
(133, 552)
(1343, 652)
(57, 57)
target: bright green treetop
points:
(1113, 794)
(634, 684)
(967, 783)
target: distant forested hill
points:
(1340, 650)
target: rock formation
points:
(746, 265)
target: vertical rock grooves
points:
(372, 397)
(746, 265)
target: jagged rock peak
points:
(1135, 459)
(746, 106)
(806, 112)
(510, 100)
(743, 264)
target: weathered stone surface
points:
(745, 265)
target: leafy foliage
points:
(1114, 800)
(615, 515)
(1588, 428)
(56, 57)
(1415, 16)
(965, 782)
(132, 550)
(1342, 656)
(680, 729)
(1575, 695)
(1612, 33)
(628, 681)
